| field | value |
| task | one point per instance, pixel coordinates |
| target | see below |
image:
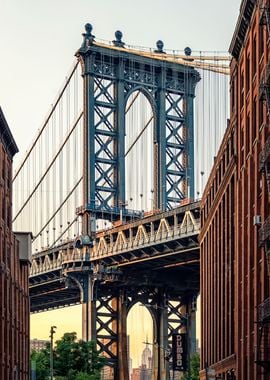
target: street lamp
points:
(52, 332)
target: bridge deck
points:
(161, 249)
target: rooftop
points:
(6, 136)
(246, 11)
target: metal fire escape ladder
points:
(264, 232)
(265, 81)
(262, 351)
(265, 86)
(264, 163)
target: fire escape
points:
(262, 354)
(262, 351)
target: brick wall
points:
(14, 296)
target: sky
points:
(39, 39)
(37, 45)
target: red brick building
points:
(14, 270)
(234, 244)
(38, 344)
(217, 262)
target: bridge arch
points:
(141, 329)
(140, 153)
(145, 91)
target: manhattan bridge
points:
(109, 185)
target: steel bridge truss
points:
(110, 77)
(162, 236)
(154, 262)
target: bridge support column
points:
(189, 313)
(163, 346)
(83, 277)
(160, 364)
(191, 327)
(88, 308)
(123, 371)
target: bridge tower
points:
(111, 74)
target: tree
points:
(85, 376)
(64, 354)
(74, 358)
(42, 363)
(194, 368)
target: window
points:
(254, 119)
(254, 55)
(261, 107)
(261, 41)
(3, 168)
(3, 208)
(9, 177)
(242, 90)
(247, 74)
(233, 94)
(9, 217)
(242, 147)
(248, 134)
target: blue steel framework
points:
(111, 75)
(151, 261)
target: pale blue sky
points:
(39, 38)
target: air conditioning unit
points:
(257, 220)
(25, 245)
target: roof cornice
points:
(246, 12)
(6, 136)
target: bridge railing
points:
(127, 238)
(149, 239)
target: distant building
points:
(198, 348)
(107, 373)
(144, 372)
(141, 373)
(128, 356)
(136, 374)
(147, 357)
(38, 344)
(15, 251)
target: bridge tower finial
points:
(118, 39)
(88, 37)
(160, 45)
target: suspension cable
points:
(139, 135)
(46, 120)
(59, 207)
(49, 167)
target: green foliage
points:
(85, 376)
(73, 357)
(42, 362)
(194, 368)
(72, 360)
(63, 354)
